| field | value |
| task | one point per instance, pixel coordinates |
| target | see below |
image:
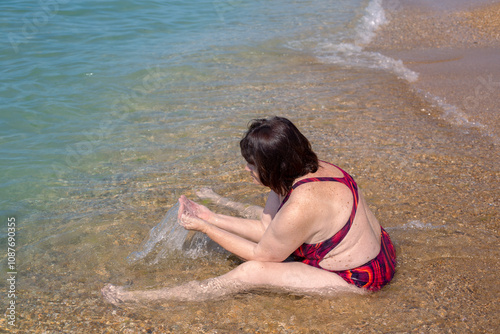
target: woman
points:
(316, 232)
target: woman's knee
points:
(250, 271)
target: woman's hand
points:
(193, 215)
(194, 209)
(192, 223)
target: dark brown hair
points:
(279, 151)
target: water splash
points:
(167, 233)
(170, 236)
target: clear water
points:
(87, 83)
(93, 90)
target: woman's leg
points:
(247, 211)
(291, 277)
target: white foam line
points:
(347, 54)
(456, 116)
(353, 54)
(370, 22)
(415, 225)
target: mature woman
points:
(316, 233)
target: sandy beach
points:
(455, 48)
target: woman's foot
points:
(207, 193)
(115, 294)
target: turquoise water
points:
(84, 83)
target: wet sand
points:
(432, 183)
(455, 48)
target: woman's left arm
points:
(232, 242)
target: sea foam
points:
(353, 53)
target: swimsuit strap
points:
(313, 253)
(347, 180)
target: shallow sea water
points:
(431, 185)
(430, 196)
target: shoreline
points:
(455, 50)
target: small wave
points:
(354, 55)
(370, 22)
(347, 54)
(456, 116)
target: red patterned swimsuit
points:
(374, 274)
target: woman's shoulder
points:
(324, 187)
